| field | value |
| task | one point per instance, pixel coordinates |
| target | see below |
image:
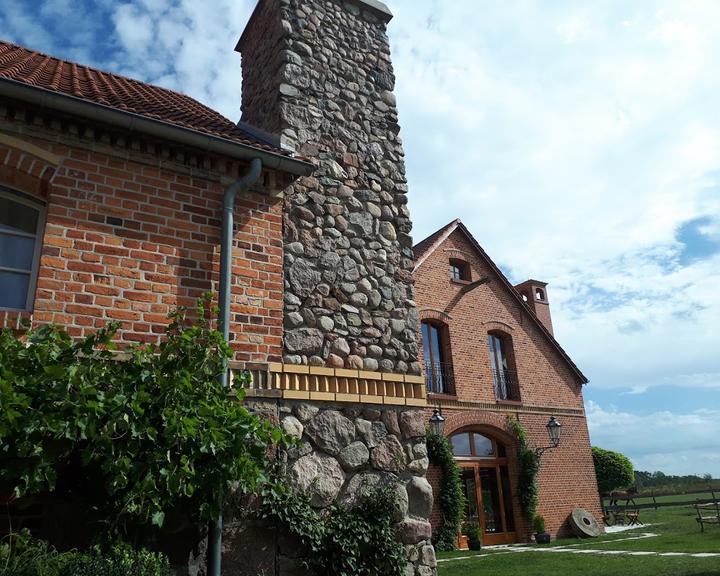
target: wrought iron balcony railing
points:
(439, 378)
(506, 385)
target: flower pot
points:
(543, 538)
(474, 544)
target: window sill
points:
(441, 397)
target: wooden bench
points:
(708, 513)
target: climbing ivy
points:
(355, 540)
(145, 435)
(527, 490)
(452, 496)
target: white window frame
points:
(40, 206)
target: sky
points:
(579, 141)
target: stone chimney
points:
(534, 293)
(318, 73)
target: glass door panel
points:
(471, 503)
(490, 501)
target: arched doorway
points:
(486, 481)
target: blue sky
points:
(578, 141)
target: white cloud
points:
(573, 139)
(684, 443)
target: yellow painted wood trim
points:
(322, 371)
(371, 399)
(389, 377)
(345, 373)
(296, 394)
(296, 369)
(415, 401)
(414, 379)
(347, 397)
(322, 396)
(394, 400)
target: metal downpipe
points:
(240, 185)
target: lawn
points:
(676, 531)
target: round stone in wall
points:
(330, 431)
(388, 455)
(354, 456)
(319, 476)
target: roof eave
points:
(133, 122)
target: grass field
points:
(676, 529)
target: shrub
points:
(26, 556)
(354, 540)
(155, 429)
(612, 469)
(539, 524)
(120, 560)
(472, 531)
(452, 496)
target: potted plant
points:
(541, 536)
(472, 532)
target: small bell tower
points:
(534, 292)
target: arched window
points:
(502, 365)
(436, 350)
(21, 222)
(539, 294)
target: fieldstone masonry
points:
(349, 448)
(318, 73)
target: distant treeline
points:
(660, 483)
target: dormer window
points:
(459, 270)
(539, 294)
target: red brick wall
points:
(131, 235)
(547, 384)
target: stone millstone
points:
(584, 524)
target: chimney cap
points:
(377, 8)
(380, 9)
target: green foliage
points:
(356, 540)
(452, 495)
(529, 464)
(155, 427)
(539, 524)
(30, 557)
(471, 529)
(612, 469)
(660, 483)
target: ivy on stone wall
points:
(529, 463)
(358, 539)
(452, 496)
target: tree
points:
(613, 470)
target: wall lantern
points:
(554, 429)
(437, 422)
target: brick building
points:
(490, 353)
(111, 208)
